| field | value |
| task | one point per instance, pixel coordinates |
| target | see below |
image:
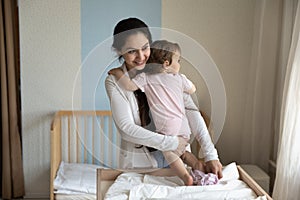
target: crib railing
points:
(83, 137)
(86, 137)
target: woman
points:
(132, 40)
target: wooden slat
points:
(110, 142)
(69, 139)
(102, 137)
(77, 141)
(118, 143)
(55, 151)
(55, 119)
(85, 140)
(93, 139)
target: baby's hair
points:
(161, 51)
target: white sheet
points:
(76, 178)
(135, 186)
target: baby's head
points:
(163, 53)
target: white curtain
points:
(287, 183)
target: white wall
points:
(50, 58)
(242, 38)
(225, 30)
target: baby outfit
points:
(200, 178)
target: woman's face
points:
(136, 51)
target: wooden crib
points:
(91, 137)
(83, 137)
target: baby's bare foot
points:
(188, 180)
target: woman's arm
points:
(199, 129)
(123, 116)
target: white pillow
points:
(76, 178)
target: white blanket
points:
(135, 186)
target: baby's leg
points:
(181, 171)
(192, 161)
(178, 166)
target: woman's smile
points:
(136, 51)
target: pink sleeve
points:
(186, 83)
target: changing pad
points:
(134, 186)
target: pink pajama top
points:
(164, 93)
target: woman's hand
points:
(215, 167)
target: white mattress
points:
(133, 186)
(76, 178)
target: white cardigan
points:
(125, 113)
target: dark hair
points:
(161, 51)
(127, 27)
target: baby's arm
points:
(189, 85)
(192, 90)
(124, 81)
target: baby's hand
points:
(116, 71)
